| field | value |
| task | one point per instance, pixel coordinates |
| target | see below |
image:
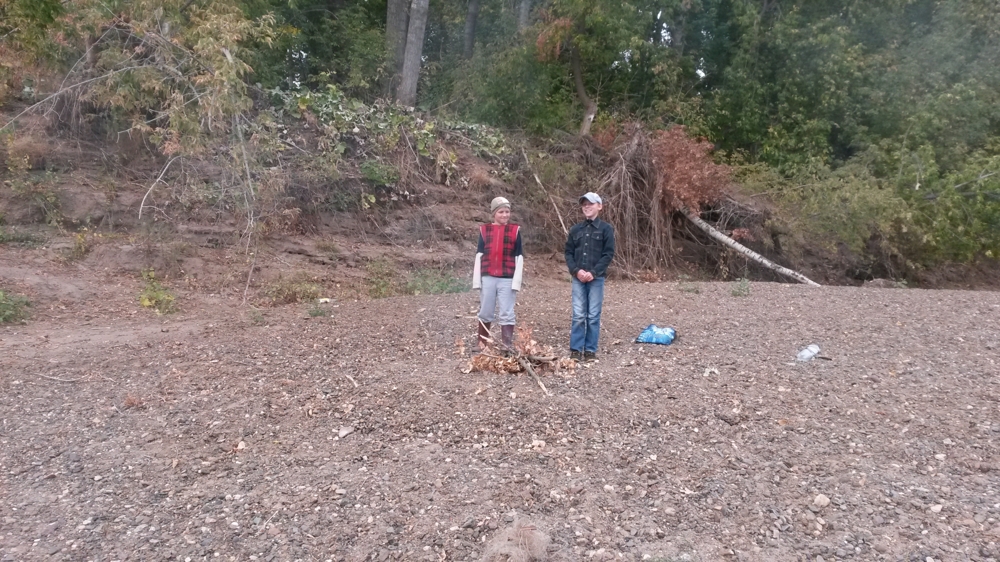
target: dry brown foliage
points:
(552, 37)
(685, 171)
(133, 401)
(647, 179)
(543, 358)
(522, 542)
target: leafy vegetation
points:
(381, 278)
(13, 308)
(873, 126)
(741, 288)
(156, 296)
(298, 288)
(428, 281)
(10, 236)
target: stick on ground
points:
(527, 367)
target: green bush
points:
(156, 296)
(435, 282)
(382, 279)
(379, 173)
(289, 291)
(832, 207)
(13, 308)
(19, 238)
(741, 288)
(958, 214)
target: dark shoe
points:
(590, 356)
(484, 333)
(507, 337)
(574, 354)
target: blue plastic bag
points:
(654, 334)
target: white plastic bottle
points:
(808, 353)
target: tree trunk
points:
(729, 242)
(407, 93)
(677, 34)
(590, 108)
(470, 28)
(523, 15)
(397, 22)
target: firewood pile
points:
(527, 354)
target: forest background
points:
(863, 128)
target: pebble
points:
(345, 431)
(936, 508)
(940, 456)
(821, 501)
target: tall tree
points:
(397, 23)
(523, 15)
(407, 92)
(589, 105)
(470, 28)
(607, 46)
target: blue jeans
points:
(586, 327)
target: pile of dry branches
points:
(648, 180)
(527, 355)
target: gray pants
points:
(496, 290)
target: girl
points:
(497, 273)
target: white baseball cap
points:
(592, 197)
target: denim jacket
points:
(590, 246)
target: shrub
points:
(289, 291)
(741, 288)
(13, 308)
(379, 173)
(381, 278)
(435, 282)
(156, 296)
(19, 238)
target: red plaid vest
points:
(498, 257)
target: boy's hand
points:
(584, 276)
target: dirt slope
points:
(227, 434)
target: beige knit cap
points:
(498, 203)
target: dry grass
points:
(521, 542)
(133, 402)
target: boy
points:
(590, 247)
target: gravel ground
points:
(227, 433)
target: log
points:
(730, 243)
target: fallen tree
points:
(652, 179)
(733, 244)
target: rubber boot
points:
(484, 333)
(507, 337)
